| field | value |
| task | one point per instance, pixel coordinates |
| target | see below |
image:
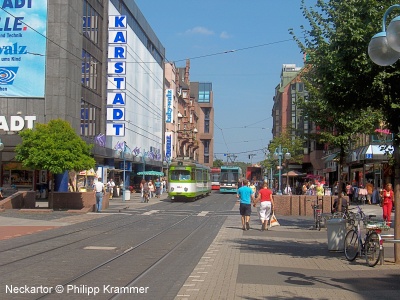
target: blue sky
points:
(244, 80)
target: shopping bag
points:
(273, 221)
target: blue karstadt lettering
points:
(119, 21)
(16, 4)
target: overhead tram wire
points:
(174, 61)
(235, 50)
(73, 55)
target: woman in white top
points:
(152, 189)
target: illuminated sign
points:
(16, 123)
(116, 83)
(169, 106)
(23, 25)
(168, 144)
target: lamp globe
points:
(380, 52)
(393, 34)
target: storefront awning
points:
(376, 152)
(355, 155)
(330, 157)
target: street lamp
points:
(144, 158)
(278, 154)
(384, 50)
(384, 47)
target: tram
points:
(188, 180)
(229, 181)
(215, 177)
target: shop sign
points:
(169, 108)
(16, 123)
(116, 83)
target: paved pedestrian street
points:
(291, 261)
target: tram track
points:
(147, 251)
(124, 212)
(143, 244)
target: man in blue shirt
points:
(246, 196)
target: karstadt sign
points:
(16, 123)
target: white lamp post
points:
(278, 154)
(384, 50)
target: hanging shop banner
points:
(23, 48)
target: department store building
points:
(94, 63)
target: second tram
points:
(229, 180)
(188, 180)
(215, 177)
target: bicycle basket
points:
(377, 225)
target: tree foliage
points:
(55, 147)
(217, 163)
(294, 145)
(342, 98)
(343, 81)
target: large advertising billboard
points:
(23, 48)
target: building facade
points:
(94, 63)
(98, 65)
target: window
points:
(91, 69)
(90, 118)
(206, 112)
(92, 23)
(204, 92)
(206, 126)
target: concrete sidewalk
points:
(291, 261)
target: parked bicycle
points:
(317, 215)
(355, 245)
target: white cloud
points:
(225, 35)
(199, 30)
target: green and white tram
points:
(188, 180)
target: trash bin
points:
(127, 195)
(336, 229)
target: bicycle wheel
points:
(351, 245)
(372, 249)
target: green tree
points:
(218, 163)
(55, 147)
(343, 82)
(294, 145)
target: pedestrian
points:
(370, 189)
(253, 188)
(144, 188)
(152, 189)
(335, 206)
(99, 192)
(349, 191)
(266, 205)
(304, 188)
(157, 185)
(246, 196)
(164, 185)
(387, 202)
(288, 190)
(110, 186)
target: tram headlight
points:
(172, 189)
(185, 189)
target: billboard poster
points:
(23, 26)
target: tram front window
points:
(229, 177)
(180, 175)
